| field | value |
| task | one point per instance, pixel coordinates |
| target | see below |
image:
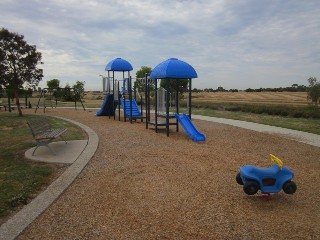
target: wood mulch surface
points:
(143, 185)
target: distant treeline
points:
(293, 88)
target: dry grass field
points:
(93, 95)
(290, 98)
(283, 98)
(95, 99)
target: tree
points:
(312, 81)
(196, 90)
(141, 73)
(1, 91)
(249, 90)
(79, 89)
(314, 90)
(179, 85)
(53, 86)
(233, 90)
(29, 92)
(67, 93)
(53, 83)
(18, 63)
(221, 89)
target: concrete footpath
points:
(65, 153)
(304, 137)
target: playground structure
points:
(119, 93)
(76, 96)
(175, 70)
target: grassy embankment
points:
(21, 179)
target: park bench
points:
(44, 134)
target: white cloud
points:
(234, 44)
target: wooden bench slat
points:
(52, 134)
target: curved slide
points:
(107, 107)
(190, 129)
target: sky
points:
(231, 44)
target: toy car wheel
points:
(251, 187)
(239, 179)
(289, 187)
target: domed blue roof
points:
(118, 64)
(173, 68)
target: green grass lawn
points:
(21, 179)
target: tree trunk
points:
(16, 95)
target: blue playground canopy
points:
(118, 64)
(173, 68)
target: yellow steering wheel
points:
(276, 160)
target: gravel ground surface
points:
(143, 185)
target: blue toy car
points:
(268, 180)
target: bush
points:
(311, 111)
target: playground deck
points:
(143, 185)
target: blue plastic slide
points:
(135, 109)
(107, 107)
(190, 129)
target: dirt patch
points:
(143, 185)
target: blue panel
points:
(189, 127)
(265, 172)
(107, 107)
(118, 64)
(173, 68)
(135, 109)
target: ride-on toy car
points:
(268, 180)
